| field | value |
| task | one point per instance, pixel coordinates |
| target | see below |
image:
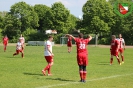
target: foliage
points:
(41, 11)
(98, 18)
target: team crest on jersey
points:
(123, 9)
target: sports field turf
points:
(16, 72)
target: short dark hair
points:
(114, 36)
(80, 35)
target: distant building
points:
(50, 32)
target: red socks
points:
(47, 68)
(83, 75)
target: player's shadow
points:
(60, 79)
(103, 63)
(33, 74)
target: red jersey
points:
(5, 40)
(81, 45)
(114, 45)
(69, 40)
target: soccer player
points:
(82, 55)
(114, 49)
(5, 42)
(19, 48)
(121, 47)
(22, 39)
(48, 55)
(69, 44)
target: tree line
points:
(98, 18)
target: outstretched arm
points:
(90, 37)
(70, 36)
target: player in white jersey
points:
(19, 49)
(22, 40)
(121, 47)
(48, 55)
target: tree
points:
(20, 18)
(41, 11)
(11, 27)
(57, 18)
(98, 10)
(25, 14)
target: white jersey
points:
(19, 46)
(47, 45)
(22, 39)
(121, 42)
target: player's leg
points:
(85, 63)
(118, 59)
(81, 72)
(111, 59)
(49, 60)
(49, 69)
(22, 53)
(84, 73)
(80, 64)
(5, 47)
(122, 55)
(17, 52)
(70, 48)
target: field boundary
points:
(91, 80)
(101, 46)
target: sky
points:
(75, 6)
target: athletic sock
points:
(81, 74)
(84, 75)
(122, 58)
(47, 67)
(118, 60)
(49, 72)
(111, 60)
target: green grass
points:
(16, 72)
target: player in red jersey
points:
(48, 55)
(19, 48)
(114, 49)
(22, 39)
(5, 42)
(121, 47)
(82, 55)
(69, 44)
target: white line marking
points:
(68, 83)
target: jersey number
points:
(82, 46)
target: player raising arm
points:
(114, 49)
(82, 55)
(48, 55)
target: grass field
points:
(16, 72)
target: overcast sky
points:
(75, 6)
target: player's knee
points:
(84, 68)
(80, 67)
(51, 63)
